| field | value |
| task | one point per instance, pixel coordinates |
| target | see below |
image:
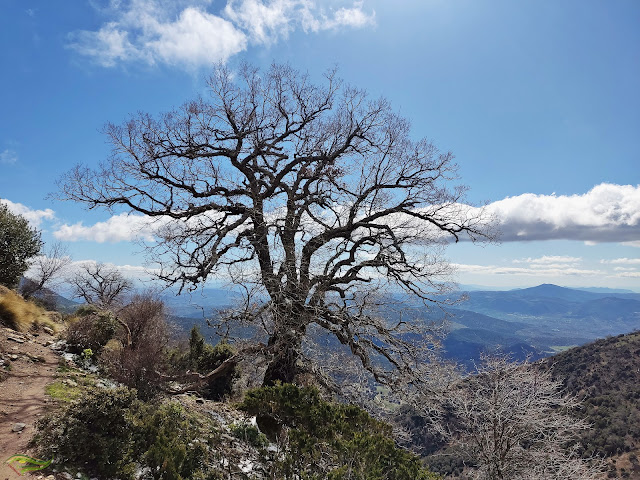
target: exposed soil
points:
(22, 391)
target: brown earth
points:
(22, 391)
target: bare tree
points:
(512, 421)
(317, 194)
(100, 285)
(45, 269)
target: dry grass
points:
(19, 314)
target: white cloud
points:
(623, 261)
(267, 22)
(132, 272)
(627, 275)
(550, 260)
(607, 213)
(632, 244)
(8, 157)
(118, 228)
(152, 31)
(35, 217)
(552, 271)
(187, 33)
(196, 38)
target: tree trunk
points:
(283, 366)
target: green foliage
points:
(108, 433)
(62, 391)
(95, 432)
(18, 243)
(328, 440)
(203, 358)
(250, 434)
(92, 330)
(170, 442)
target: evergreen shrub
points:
(322, 439)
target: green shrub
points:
(170, 442)
(109, 433)
(329, 440)
(203, 358)
(93, 432)
(250, 434)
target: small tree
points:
(100, 285)
(316, 194)
(18, 243)
(512, 421)
(46, 269)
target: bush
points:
(92, 329)
(94, 432)
(327, 440)
(109, 433)
(203, 358)
(141, 357)
(250, 434)
(170, 442)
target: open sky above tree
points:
(537, 102)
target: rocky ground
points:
(28, 363)
(27, 366)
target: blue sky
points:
(539, 102)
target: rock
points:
(48, 330)
(18, 427)
(47, 343)
(13, 357)
(71, 383)
(59, 345)
(66, 476)
(35, 358)
(16, 339)
(199, 400)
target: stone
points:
(18, 427)
(16, 339)
(48, 330)
(199, 400)
(71, 383)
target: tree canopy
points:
(19, 242)
(306, 192)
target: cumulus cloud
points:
(188, 33)
(606, 213)
(8, 157)
(118, 228)
(35, 217)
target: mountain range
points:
(535, 322)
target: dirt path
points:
(22, 392)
